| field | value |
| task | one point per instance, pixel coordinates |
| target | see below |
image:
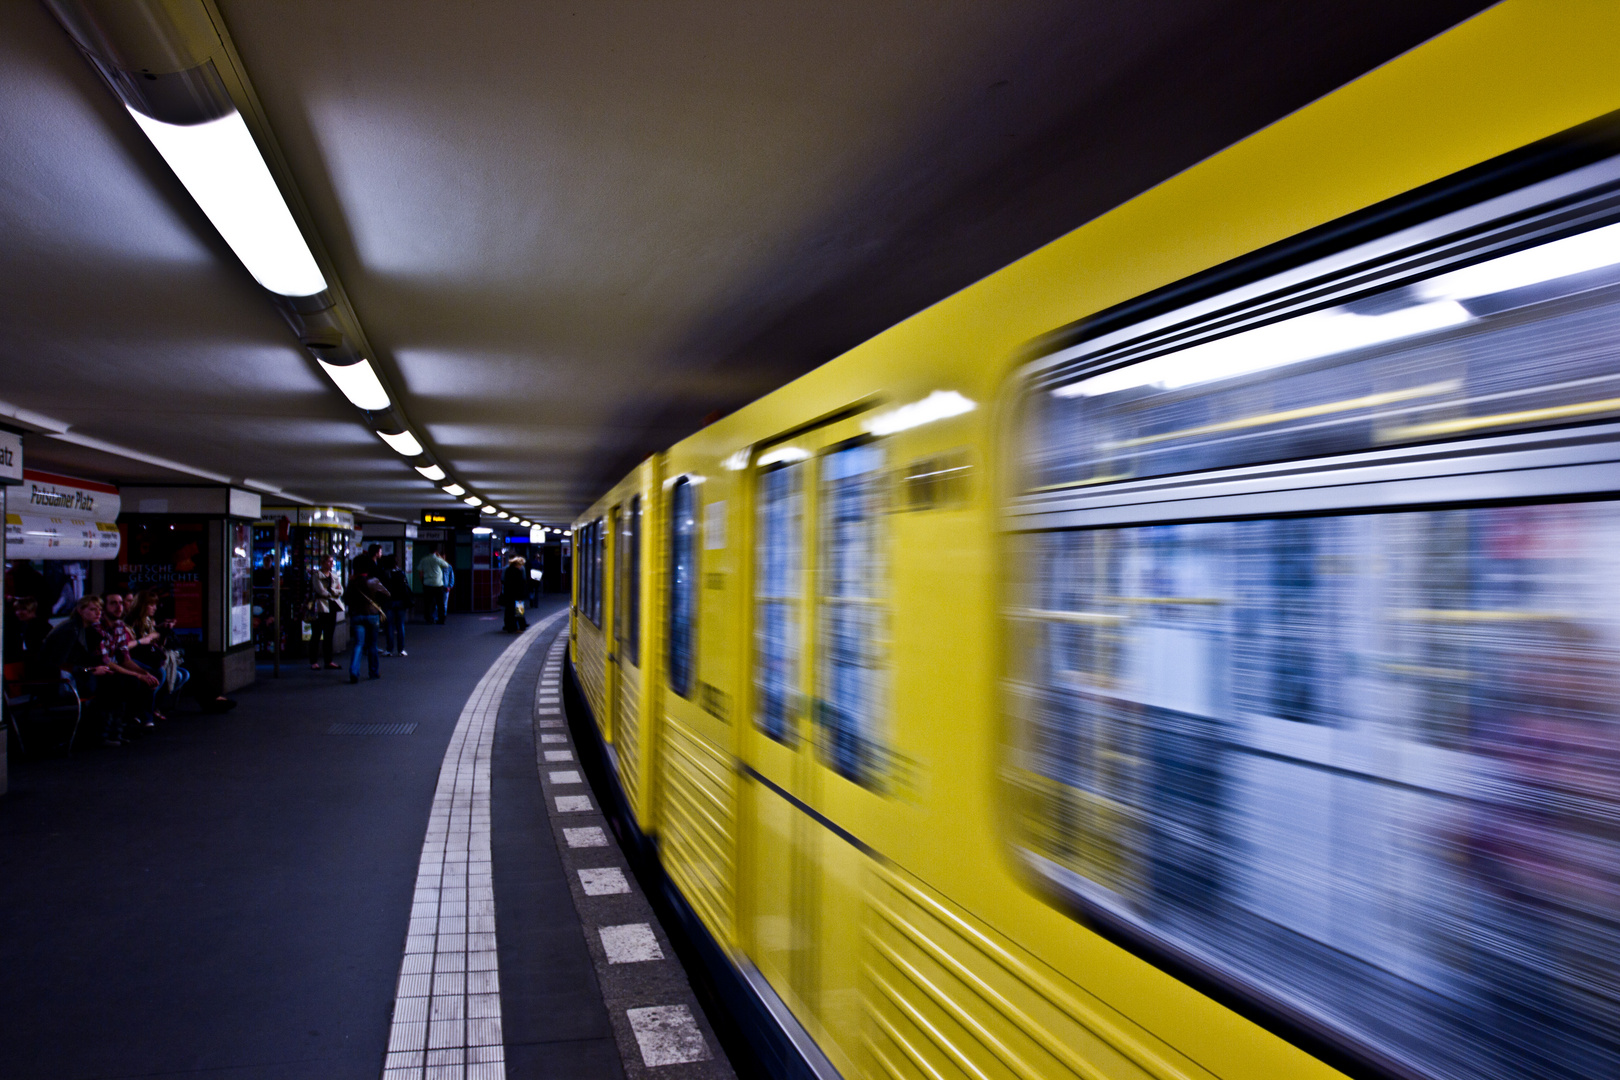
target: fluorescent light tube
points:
(359, 384)
(431, 472)
(404, 443)
(473, 500)
(220, 164)
(480, 530)
(936, 406)
(1306, 337)
(454, 489)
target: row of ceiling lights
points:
(161, 63)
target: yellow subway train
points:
(1191, 651)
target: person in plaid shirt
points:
(130, 687)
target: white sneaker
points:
(402, 652)
(384, 652)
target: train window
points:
(1437, 358)
(1367, 764)
(585, 565)
(851, 617)
(598, 553)
(683, 575)
(778, 577)
(628, 593)
(618, 523)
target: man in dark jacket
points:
(75, 647)
(364, 598)
(514, 592)
(400, 601)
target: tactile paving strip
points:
(447, 1009)
(371, 729)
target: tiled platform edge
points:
(447, 1008)
(660, 1027)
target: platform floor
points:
(233, 896)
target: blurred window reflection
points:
(1462, 375)
(851, 614)
(1367, 765)
(682, 586)
(627, 593)
(778, 572)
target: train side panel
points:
(863, 865)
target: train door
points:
(819, 666)
(626, 653)
(611, 617)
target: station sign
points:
(62, 517)
(42, 536)
(11, 466)
(65, 496)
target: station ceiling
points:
(574, 230)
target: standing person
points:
(325, 601)
(74, 646)
(365, 563)
(514, 591)
(400, 601)
(365, 599)
(435, 584)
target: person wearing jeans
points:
(400, 600)
(366, 596)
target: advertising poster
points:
(241, 606)
(170, 558)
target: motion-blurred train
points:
(1192, 651)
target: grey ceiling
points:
(571, 231)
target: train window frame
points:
(869, 766)
(598, 569)
(628, 592)
(681, 617)
(1530, 466)
(784, 728)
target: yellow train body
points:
(880, 900)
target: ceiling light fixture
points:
(480, 530)
(454, 489)
(431, 472)
(486, 509)
(220, 164)
(359, 384)
(402, 442)
(473, 500)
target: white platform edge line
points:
(449, 971)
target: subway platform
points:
(405, 878)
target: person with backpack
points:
(365, 598)
(400, 600)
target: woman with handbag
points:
(320, 611)
(155, 651)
